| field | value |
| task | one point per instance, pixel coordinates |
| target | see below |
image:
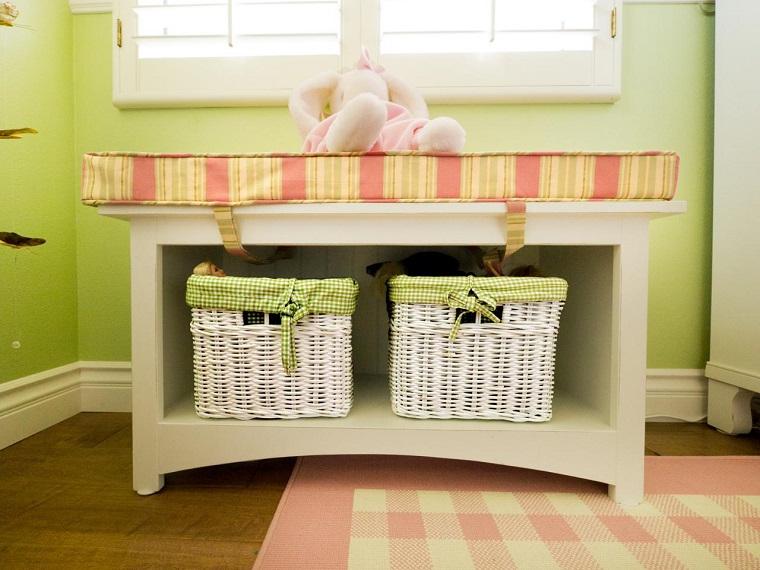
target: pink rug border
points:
(271, 531)
(321, 528)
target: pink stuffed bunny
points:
(372, 110)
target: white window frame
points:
(542, 76)
(239, 81)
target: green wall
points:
(38, 287)
(69, 299)
(667, 104)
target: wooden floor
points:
(66, 499)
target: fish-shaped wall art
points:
(16, 133)
(16, 241)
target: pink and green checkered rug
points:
(373, 512)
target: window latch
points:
(118, 32)
(613, 23)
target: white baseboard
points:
(34, 403)
(105, 386)
(676, 394)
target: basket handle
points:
(231, 239)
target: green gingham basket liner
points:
(292, 299)
(475, 294)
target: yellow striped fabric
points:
(256, 175)
(332, 178)
(355, 177)
(567, 177)
(409, 177)
(489, 177)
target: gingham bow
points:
(472, 302)
(290, 313)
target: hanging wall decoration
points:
(8, 13)
(16, 241)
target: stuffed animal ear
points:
(308, 100)
(405, 95)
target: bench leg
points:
(728, 408)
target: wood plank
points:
(698, 439)
(66, 499)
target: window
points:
(220, 28)
(495, 50)
(221, 52)
(230, 52)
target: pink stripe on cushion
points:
(528, 170)
(606, 177)
(371, 177)
(293, 178)
(449, 176)
(143, 178)
(676, 173)
(217, 180)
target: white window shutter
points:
(221, 52)
(242, 52)
(503, 50)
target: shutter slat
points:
(498, 31)
(190, 47)
(486, 26)
(167, 29)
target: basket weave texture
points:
(476, 348)
(240, 364)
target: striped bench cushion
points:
(141, 178)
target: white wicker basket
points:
(490, 370)
(239, 374)
(239, 368)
